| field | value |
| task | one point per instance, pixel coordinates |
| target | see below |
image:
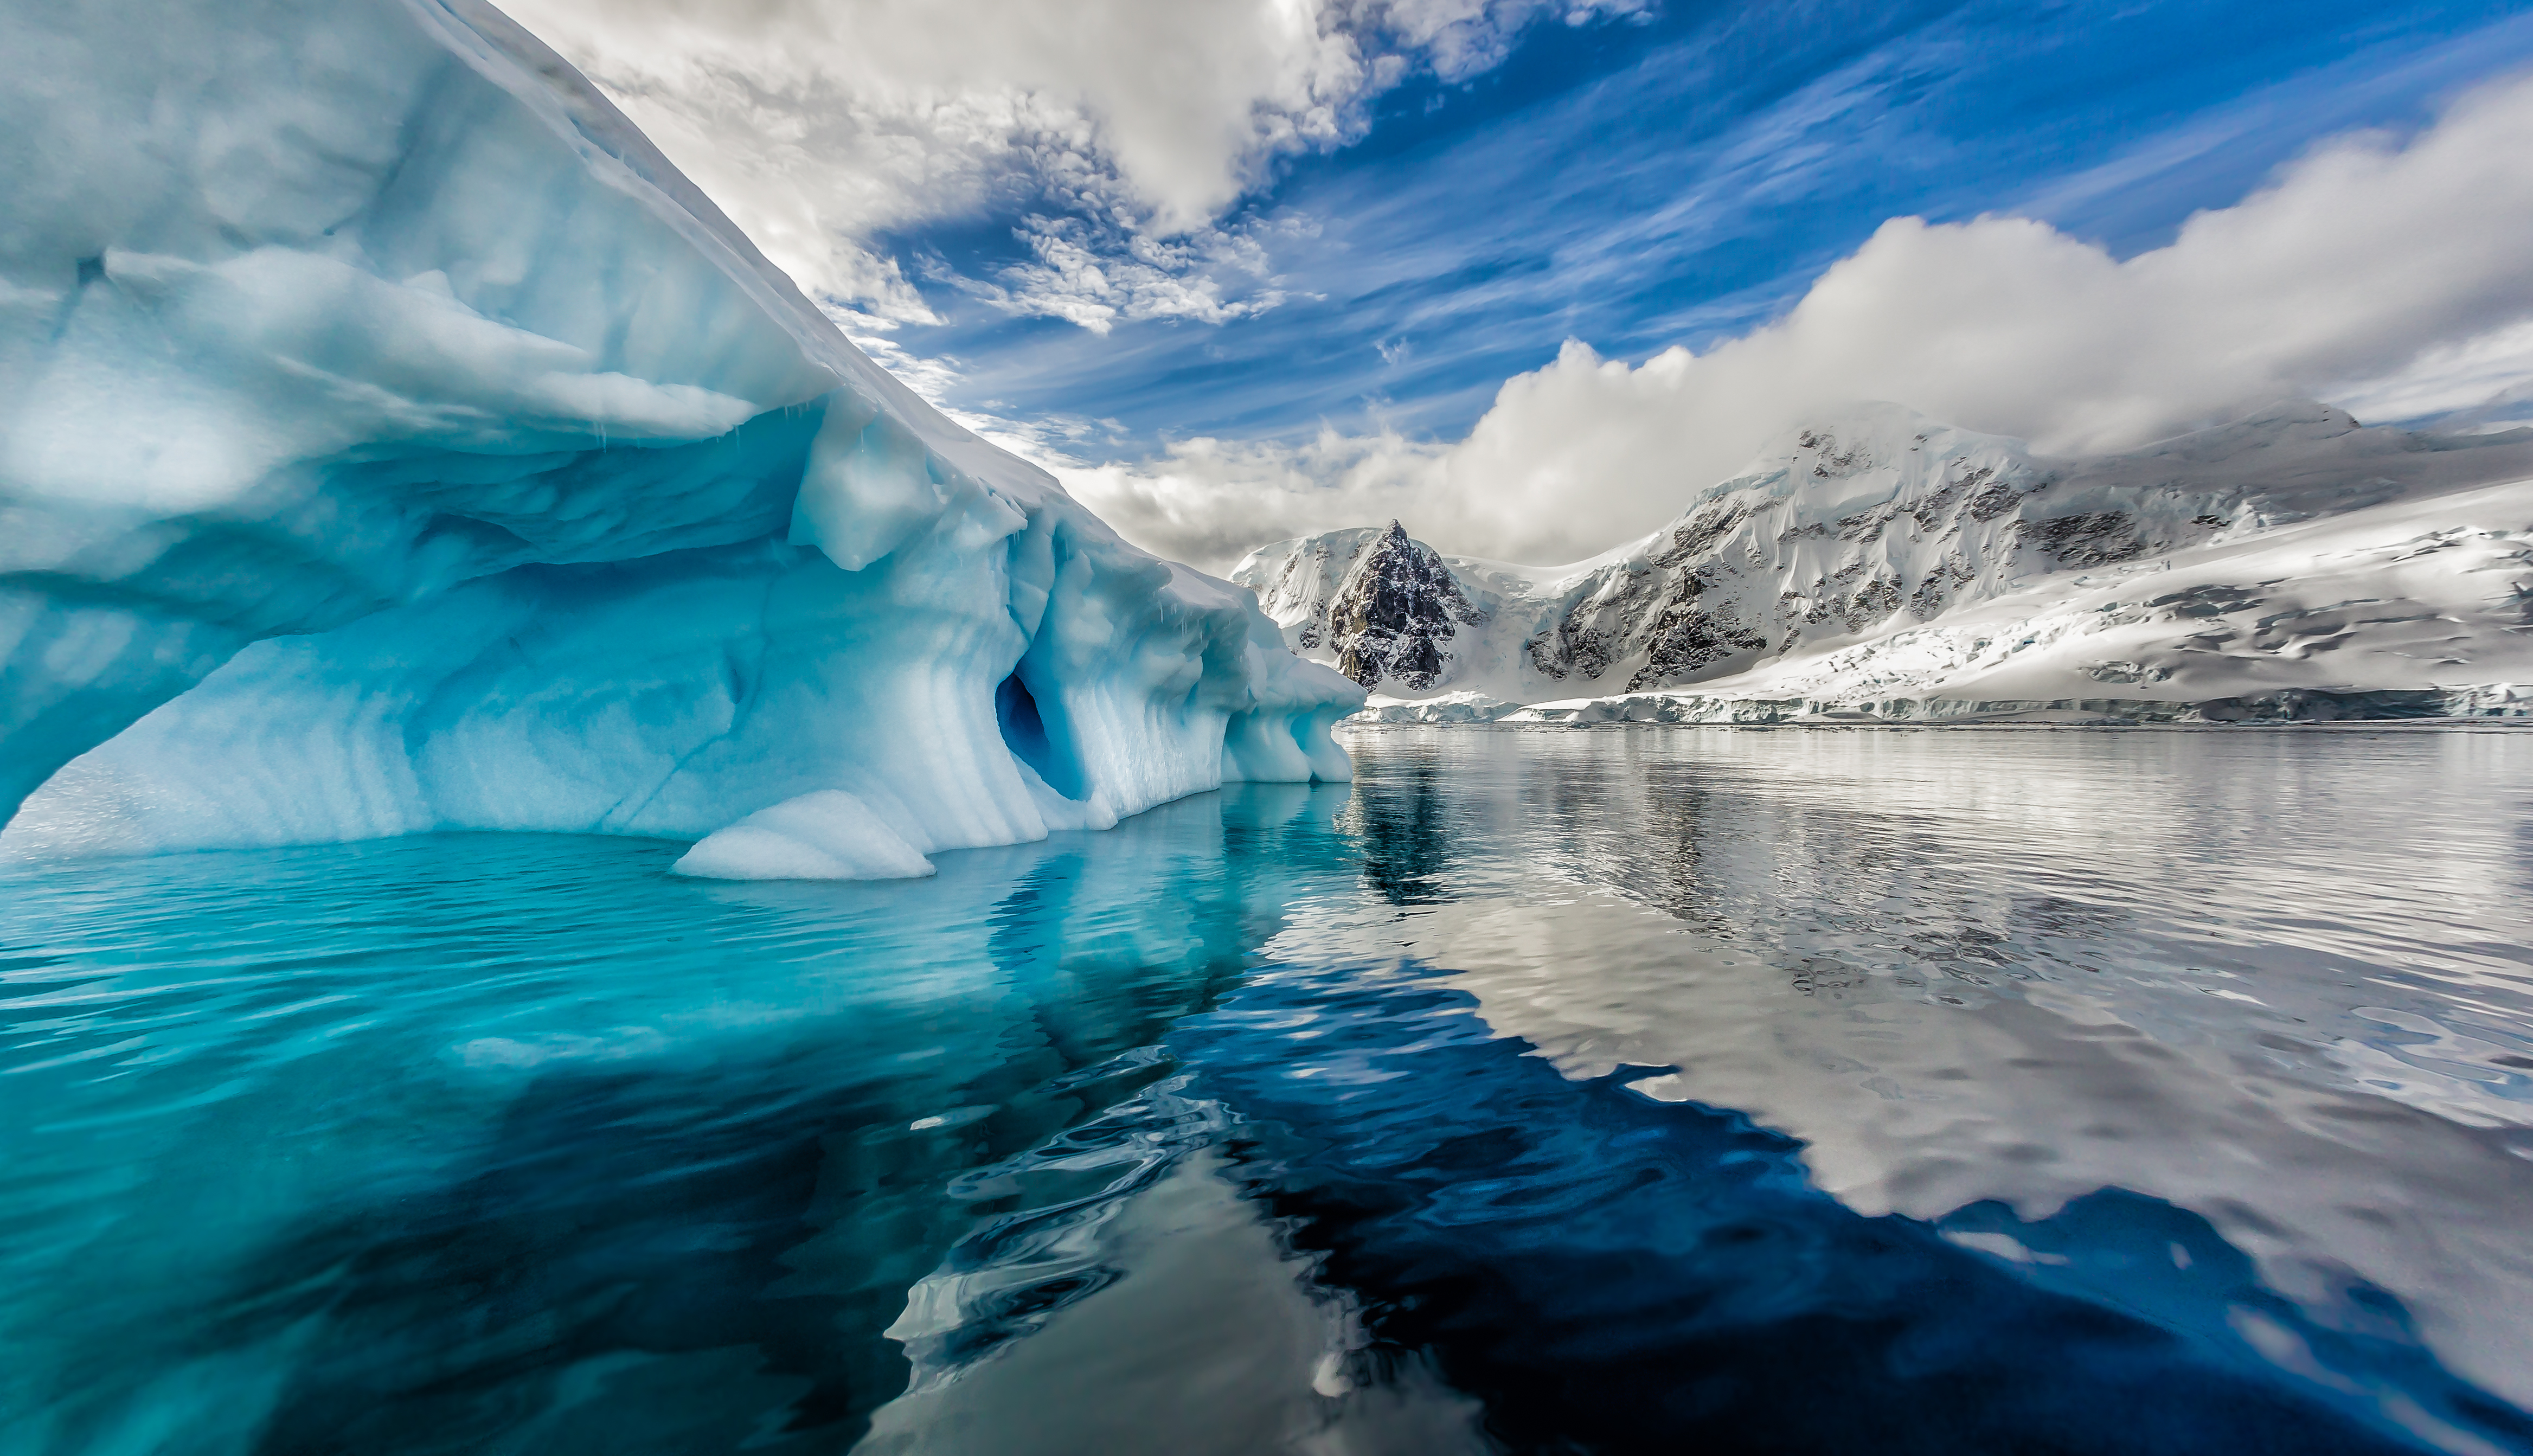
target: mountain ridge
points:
(1865, 532)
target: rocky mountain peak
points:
(1870, 526)
(1395, 610)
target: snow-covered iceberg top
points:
(391, 441)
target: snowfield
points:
(1880, 567)
(391, 441)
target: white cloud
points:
(1097, 276)
(2390, 275)
(1209, 502)
(2481, 381)
(819, 124)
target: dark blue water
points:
(1646, 1090)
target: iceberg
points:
(391, 441)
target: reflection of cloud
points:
(2390, 275)
(1962, 968)
(1911, 1105)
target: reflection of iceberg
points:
(661, 1160)
(1159, 1311)
(393, 441)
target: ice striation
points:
(2289, 565)
(391, 441)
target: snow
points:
(1880, 566)
(391, 441)
(1452, 707)
(2414, 595)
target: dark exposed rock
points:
(1571, 648)
(1932, 594)
(2097, 538)
(1686, 640)
(1699, 533)
(1867, 524)
(1872, 601)
(1993, 500)
(1831, 459)
(1394, 610)
(1935, 511)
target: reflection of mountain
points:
(1611, 1273)
(2290, 564)
(1976, 974)
(1304, 1120)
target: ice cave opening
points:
(1025, 733)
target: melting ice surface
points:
(1630, 1091)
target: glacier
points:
(391, 441)
(1877, 565)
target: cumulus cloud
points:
(2386, 273)
(1209, 502)
(820, 124)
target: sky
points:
(1526, 274)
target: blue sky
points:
(1531, 272)
(1642, 183)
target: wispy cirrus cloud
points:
(1099, 277)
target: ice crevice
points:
(392, 441)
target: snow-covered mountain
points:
(1385, 608)
(392, 440)
(1880, 562)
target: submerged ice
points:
(391, 441)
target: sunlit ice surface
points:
(1632, 1090)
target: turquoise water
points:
(1556, 1091)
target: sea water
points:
(1631, 1090)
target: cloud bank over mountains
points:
(1122, 128)
(2387, 274)
(2384, 272)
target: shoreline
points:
(2406, 724)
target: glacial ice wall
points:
(391, 441)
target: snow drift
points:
(391, 441)
(2292, 564)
